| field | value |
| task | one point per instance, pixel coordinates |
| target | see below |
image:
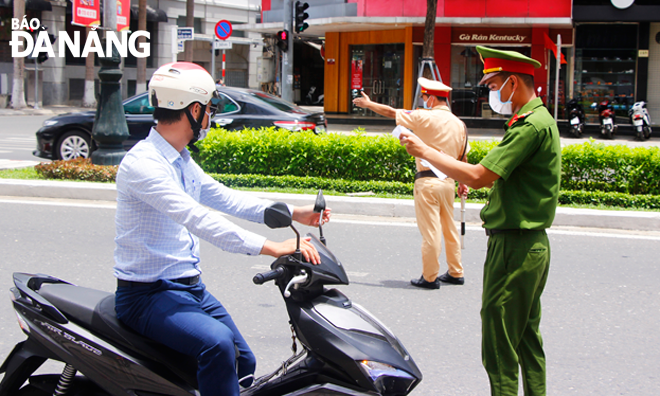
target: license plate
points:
(575, 121)
(319, 129)
(607, 121)
(639, 122)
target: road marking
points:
(408, 224)
(262, 267)
(53, 202)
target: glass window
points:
(378, 69)
(139, 105)
(467, 98)
(605, 64)
(226, 104)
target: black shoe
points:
(446, 278)
(421, 282)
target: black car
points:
(68, 136)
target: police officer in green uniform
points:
(524, 172)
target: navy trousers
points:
(188, 319)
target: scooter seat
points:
(95, 311)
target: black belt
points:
(426, 173)
(193, 280)
(494, 231)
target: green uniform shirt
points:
(528, 161)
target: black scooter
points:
(576, 118)
(345, 350)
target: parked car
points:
(68, 136)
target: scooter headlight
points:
(388, 379)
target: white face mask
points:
(426, 103)
(204, 131)
(495, 101)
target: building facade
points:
(376, 45)
(61, 79)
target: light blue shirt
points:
(163, 201)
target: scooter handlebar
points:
(264, 277)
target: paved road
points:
(601, 305)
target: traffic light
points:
(43, 56)
(283, 40)
(300, 15)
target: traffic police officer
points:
(524, 171)
(434, 198)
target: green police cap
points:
(496, 61)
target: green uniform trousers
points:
(515, 274)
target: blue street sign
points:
(223, 29)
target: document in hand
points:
(397, 133)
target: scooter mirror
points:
(277, 215)
(319, 205)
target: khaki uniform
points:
(434, 198)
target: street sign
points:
(180, 46)
(185, 33)
(223, 29)
(223, 45)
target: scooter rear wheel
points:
(647, 132)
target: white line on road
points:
(113, 205)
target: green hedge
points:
(611, 168)
(279, 152)
(590, 166)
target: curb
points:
(382, 207)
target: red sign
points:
(86, 13)
(356, 74)
(123, 15)
(223, 29)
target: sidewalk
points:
(381, 207)
(43, 111)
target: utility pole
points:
(287, 57)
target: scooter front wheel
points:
(607, 132)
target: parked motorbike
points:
(641, 120)
(576, 117)
(345, 350)
(606, 117)
(309, 98)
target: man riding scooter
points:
(162, 200)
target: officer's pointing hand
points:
(363, 101)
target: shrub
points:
(267, 151)
(77, 169)
(596, 167)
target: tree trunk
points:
(18, 91)
(89, 99)
(429, 32)
(141, 84)
(190, 22)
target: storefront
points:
(385, 65)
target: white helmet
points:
(176, 85)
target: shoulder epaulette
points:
(517, 117)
